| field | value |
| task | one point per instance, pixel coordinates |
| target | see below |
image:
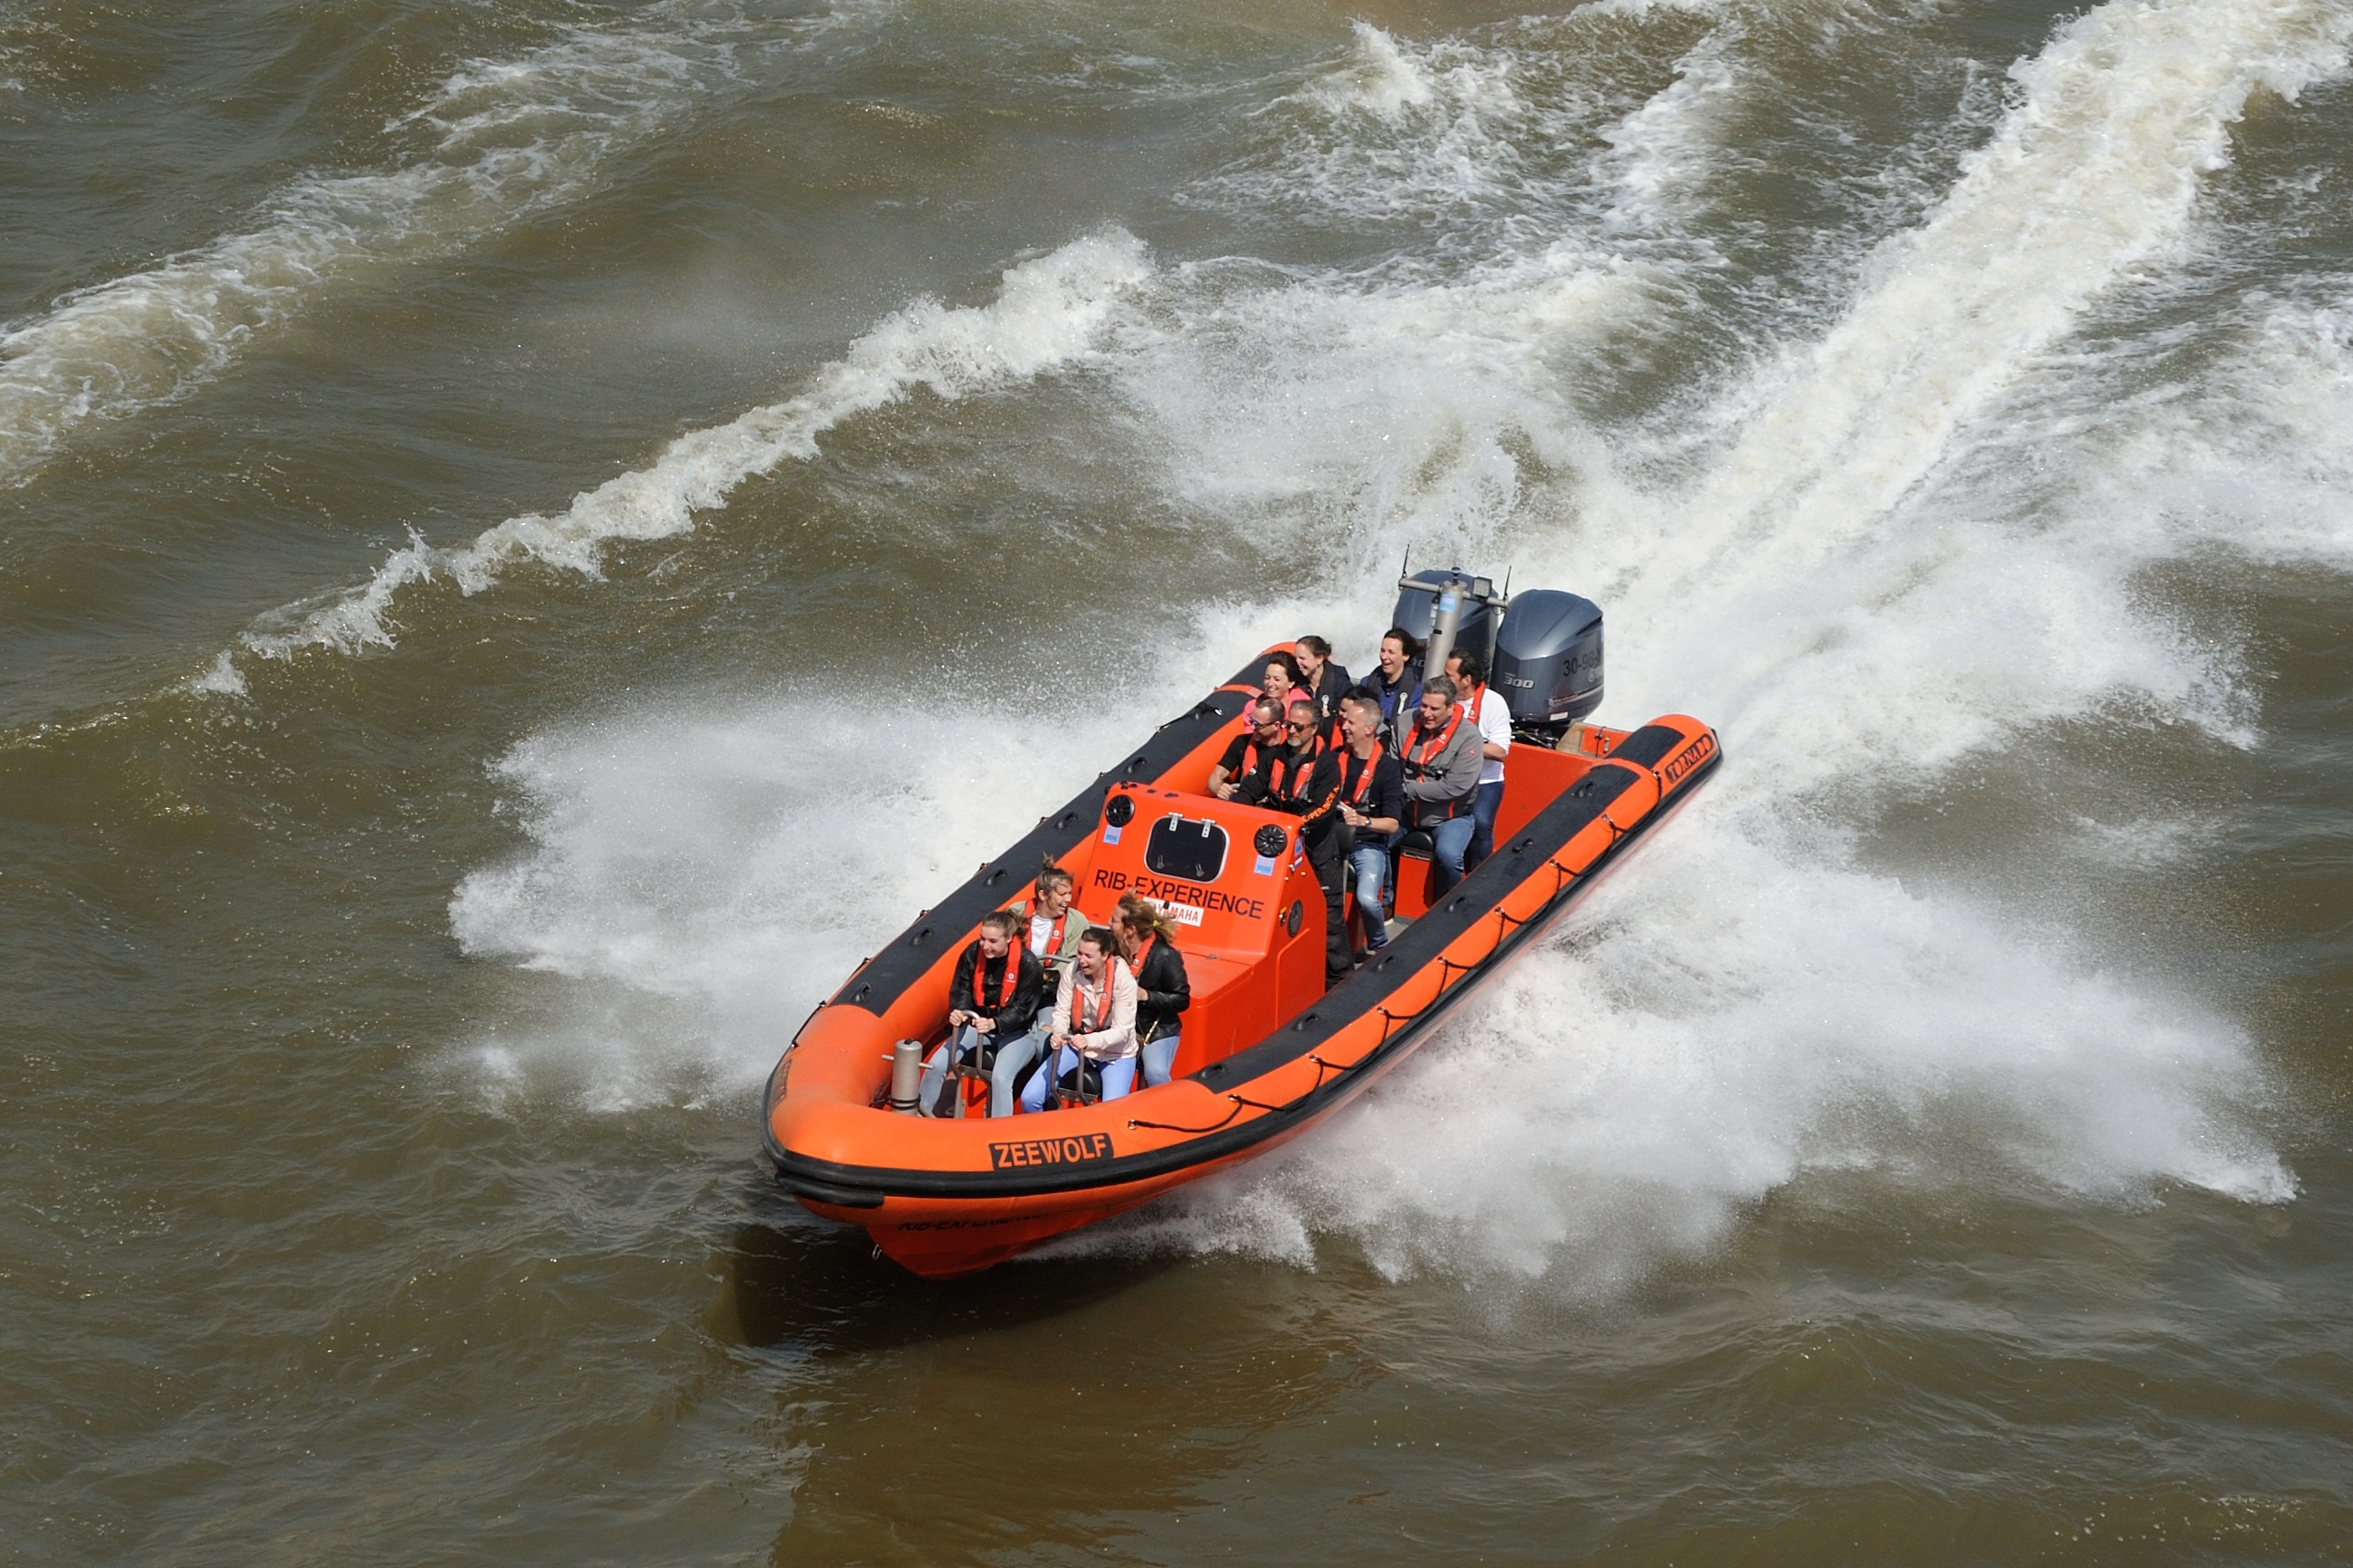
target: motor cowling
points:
(1548, 660)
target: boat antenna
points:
(1508, 585)
(1405, 567)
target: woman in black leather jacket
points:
(1162, 993)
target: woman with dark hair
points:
(1147, 941)
(1284, 682)
(1325, 681)
(1395, 683)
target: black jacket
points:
(1384, 797)
(1309, 791)
(1396, 702)
(1330, 688)
(1013, 1019)
(1161, 990)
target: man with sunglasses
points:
(1302, 778)
(1249, 750)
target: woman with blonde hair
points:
(1148, 943)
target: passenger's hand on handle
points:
(959, 1017)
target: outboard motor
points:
(1450, 610)
(1547, 660)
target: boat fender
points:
(906, 1074)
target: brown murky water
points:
(533, 536)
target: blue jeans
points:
(1484, 807)
(960, 1046)
(1011, 1058)
(1372, 864)
(1450, 840)
(1159, 1058)
(1118, 1077)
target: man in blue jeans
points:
(1372, 803)
(1440, 763)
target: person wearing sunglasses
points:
(1302, 779)
(1260, 737)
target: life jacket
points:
(1012, 982)
(1422, 810)
(1053, 947)
(1365, 779)
(1437, 743)
(1470, 709)
(1136, 964)
(1083, 1022)
(1294, 770)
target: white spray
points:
(1745, 1003)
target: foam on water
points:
(1487, 138)
(1895, 552)
(1048, 314)
(2094, 170)
(1664, 149)
(512, 138)
(703, 879)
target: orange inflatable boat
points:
(1267, 1050)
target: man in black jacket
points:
(1248, 748)
(993, 998)
(1372, 809)
(1304, 779)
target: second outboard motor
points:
(1548, 660)
(1450, 610)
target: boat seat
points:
(1414, 841)
(1082, 1085)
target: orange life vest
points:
(1436, 744)
(1365, 779)
(1417, 812)
(1083, 1022)
(1011, 981)
(1053, 937)
(1280, 771)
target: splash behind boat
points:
(1267, 1050)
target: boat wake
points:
(1048, 316)
(509, 139)
(1887, 550)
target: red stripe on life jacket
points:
(1365, 779)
